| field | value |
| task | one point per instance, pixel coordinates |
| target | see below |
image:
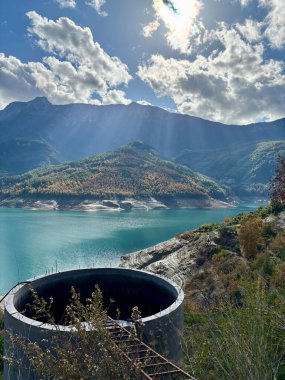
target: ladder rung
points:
(120, 342)
(155, 364)
(118, 337)
(164, 373)
(136, 351)
(149, 357)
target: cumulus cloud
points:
(19, 80)
(251, 30)
(232, 85)
(66, 3)
(274, 22)
(75, 69)
(115, 97)
(180, 20)
(97, 5)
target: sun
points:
(178, 14)
(180, 20)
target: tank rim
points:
(11, 309)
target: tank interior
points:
(150, 293)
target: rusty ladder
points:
(147, 361)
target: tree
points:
(277, 186)
(250, 235)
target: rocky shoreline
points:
(92, 205)
(201, 261)
(187, 260)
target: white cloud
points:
(180, 19)
(18, 80)
(66, 3)
(275, 22)
(76, 69)
(97, 5)
(115, 97)
(144, 103)
(244, 3)
(232, 85)
(251, 30)
(150, 28)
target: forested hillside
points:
(134, 170)
(246, 169)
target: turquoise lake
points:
(39, 242)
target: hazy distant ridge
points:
(79, 130)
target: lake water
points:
(39, 242)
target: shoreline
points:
(113, 204)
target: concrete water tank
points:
(159, 300)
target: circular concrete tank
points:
(159, 300)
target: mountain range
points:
(36, 134)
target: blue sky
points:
(221, 60)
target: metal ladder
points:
(148, 362)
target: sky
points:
(221, 60)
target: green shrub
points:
(242, 342)
(264, 264)
(220, 256)
(268, 231)
(277, 246)
(208, 227)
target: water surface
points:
(39, 242)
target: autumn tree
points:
(250, 235)
(277, 186)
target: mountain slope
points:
(246, 168)
(21, 155)
(207, 260)
(80, 130)
(132, 171)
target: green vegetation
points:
(1, 343)
(246, 169)
(239, 333)
(134, 170)
(83, 353)
(238, 341)
(22, 154)
(278, 183)
(235, 329)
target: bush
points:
(220, 256)
(279, 276)
(277, 246)
(239, 342)
(268, 231)
(264, 264)
(250, 236)
(86, 352)
(208, 227)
